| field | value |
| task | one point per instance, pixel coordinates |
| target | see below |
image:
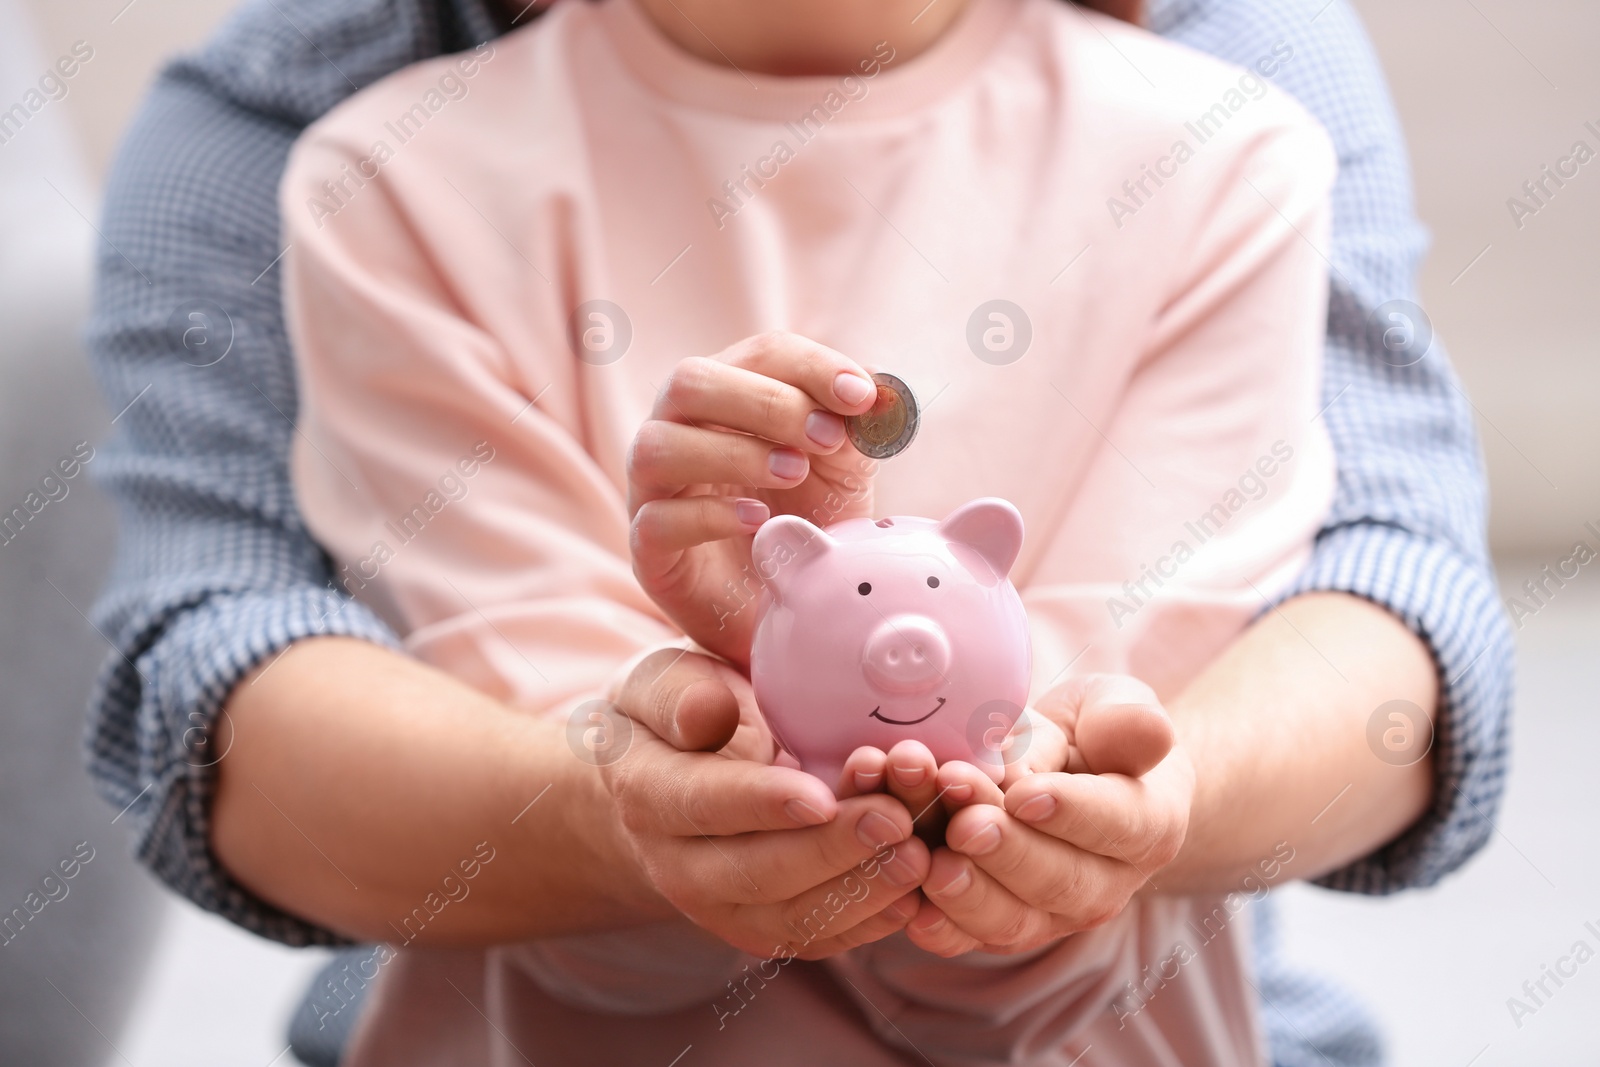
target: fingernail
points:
(803, 814)
(956, 885)
(824, 428)
(786, 463)
(876, 830)
(899, 872)
(867, 782)
(751, 512)
(958, 792)
(981, 843)
(852, 388)
(936, 924)
(1037, 809)
(910, 775)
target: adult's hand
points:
(443, 773)
(1095, 804)
(754, 431)
(761, 855)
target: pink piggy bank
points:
(872, 632)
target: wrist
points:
(604, 866)
(630, 885)
(1176, 777)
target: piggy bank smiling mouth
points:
(875, 714)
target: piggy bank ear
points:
(990, 526)
(782, 542)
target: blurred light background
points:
(1489, 92)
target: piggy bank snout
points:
(906, 654)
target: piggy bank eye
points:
(864, 588)
(933, 583)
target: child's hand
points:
(755, 431)
(760, 855)
(1096, 803)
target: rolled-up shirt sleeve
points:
(1406, 534)
(215, 573)
(1407, 527)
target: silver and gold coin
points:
(888, 428)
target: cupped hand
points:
(762, 856)
(1094, 802)
(755, 431)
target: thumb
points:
(1121, 726)
(682, 697)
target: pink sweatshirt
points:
(1147, 397)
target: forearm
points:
(358, 779)
(1277, 730)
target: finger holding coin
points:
(754, 414)
(704, 392)
(888, 427)
(780, 387)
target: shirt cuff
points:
(179, 684)
(1451, 603)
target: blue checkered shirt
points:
(215, 571)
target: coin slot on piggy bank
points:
(876, 631)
